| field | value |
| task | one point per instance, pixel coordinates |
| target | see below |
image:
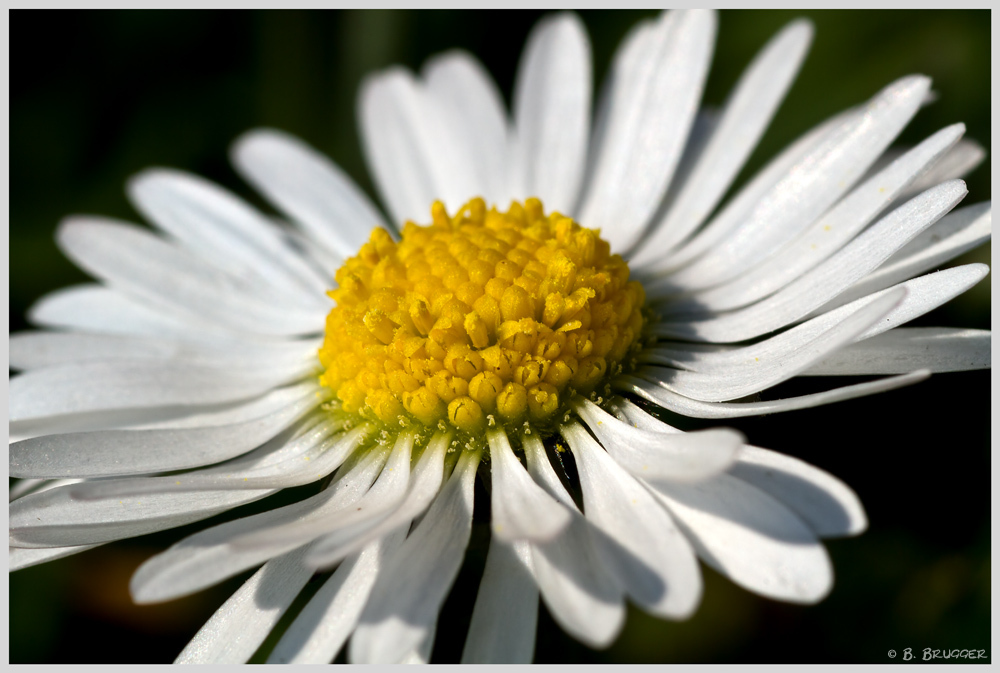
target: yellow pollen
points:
(479, 317)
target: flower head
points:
(544, 291)
(485, 319)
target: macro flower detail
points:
(547, 289)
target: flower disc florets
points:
(483, 318)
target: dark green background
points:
(97, 96)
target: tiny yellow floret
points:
(481, 317)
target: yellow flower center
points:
(483, 318)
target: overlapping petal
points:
(747, 113)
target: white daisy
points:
(493, 341)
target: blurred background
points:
(97, 96)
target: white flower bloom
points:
(186, 383)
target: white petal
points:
(164, 274)
(962, 226)
(382, 499)
(166, 418)
(458, 81)
(425, 482)
(631, 49)
(281, 463)
(325, 261)
(96, 308)
(939, 349)
(23, 557)
(827, 280)
(581, 594)
(23, 486)
(741, 206)
(811, 187)
(31, 350)
(227, 233)
(111, 452)
(956, 163)
(520, 509)
(653, 102)
(54, 519)
(205, 558)
(706, 121)
(307, 186)
(630, 413)
(544, 475)
(826, 504)
(328, 619)
(922, 295)
(394, 151)
(104, 386)
(651, 559)
(405, 601)
(960, 161)
(237, 629)
(825, 236)
(101, 420)
(502, 626)
(552, 112)
(662, 455)
(959, 231)
(421, 654)
(749, 110)
(417, 146)
(683, 405)
(231, 413)
(753, 373)
(751, 538)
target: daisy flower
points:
(543, 293)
